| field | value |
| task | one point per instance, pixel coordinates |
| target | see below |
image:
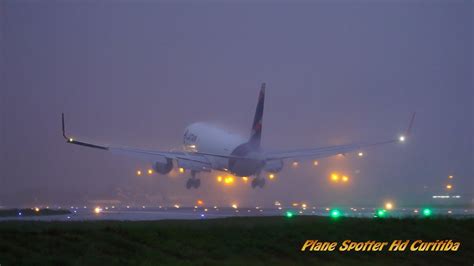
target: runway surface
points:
(190, 213)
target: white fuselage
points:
(207, 138)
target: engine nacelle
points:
(164, 168)
(273, 166)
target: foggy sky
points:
(137, 73)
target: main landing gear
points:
(193, 182)
(258, 182)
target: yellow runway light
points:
(388, 205)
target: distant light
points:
(202, 215)
(181, 170)
(143, 207)
(71, 139)
(219, 179)
(176, 206)
(97, 210)
(450, 211)
(315, 163)
(245, 178)
(234, 206)
(271, 176)
(150, 171)
(345, 178)
(205, 210)
(37, 209)
(289, 214)
(294, 204)
(295, 164)
(334, 177)
(277, 203)
(335, 213)
(200, 202)
(427, 212)
(360, 154)
(388, 205)
(401, 138)
(303, 205)
(450, 177)
(19, 214)
(380, 213)
(449, 186)
(139, 172)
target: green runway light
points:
(427, 212)
(335, 213)
(288, 214)
(381, 213)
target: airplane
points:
(209, 148)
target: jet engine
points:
(164, 168)
(273, 166)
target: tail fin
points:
(256, 134)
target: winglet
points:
(412, 120)
(68, 139)
(64, 130)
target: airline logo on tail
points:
(256, 135)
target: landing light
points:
(229, 180)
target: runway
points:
(190, 213)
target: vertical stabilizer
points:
(256, 134)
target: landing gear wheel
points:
(197, 183)
(258, 182)
(189, 183)
(254, 183)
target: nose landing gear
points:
(193, 182)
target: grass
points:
(228, 241)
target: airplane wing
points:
(188, 160)
(329, 151)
